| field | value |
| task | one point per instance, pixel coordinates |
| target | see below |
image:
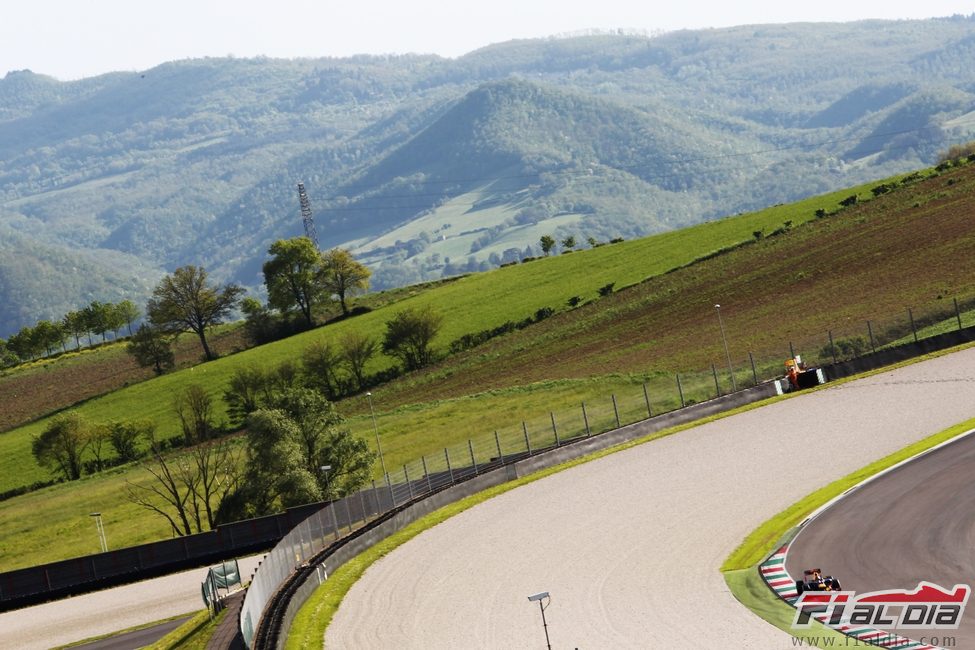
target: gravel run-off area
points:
(630, 545)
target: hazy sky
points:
(70, 39)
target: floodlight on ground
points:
(540, 598)
(727, 353)
(379, 448)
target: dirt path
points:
(630, 545)
(82, 617)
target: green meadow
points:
(660, 320)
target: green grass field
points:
(775, 290)
(407, 433)
(470, 304)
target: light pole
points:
(376, 428)
(724, 339)
(379, 446)
(331, 505)
(540, 598)
(101, 530)
(325, 469)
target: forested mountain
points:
(428, 166)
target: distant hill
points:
(428, 166)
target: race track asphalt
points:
(630, 545)
(914, 523)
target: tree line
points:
(299, 280)
(215, 478)
(291, 431)
(291, 428)
(46, 337)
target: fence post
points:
(792, 351)
(335, 520)
(362, 504)
(751, 359)
(322, 525)
(873, 346)
(375, 493)
(555, 430)
(389, 484)
(957, 313)
(470, 447)
(616, 410)
(680, 391)
(910, 315)
(450, 471)
(427, 474)
(528, 443)
(717, 388)
(348, 512)
(585, 417)
(646, 398)
(321, 522)
(409, 484)
(497, 442)
(832, 347)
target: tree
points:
(75, 324)
(319, 362)
(259, 326)
(244, 392)
(548, 243)
(151, 348)
(123, 436)
(194, 408)
(97, 443)
(356, 350)
(188, 489)
(286, 447)
(47, 336)
(276, 474)
(60, 446)
(569, 242)
(315, 418)
(124, 313)
(7, 357)
(23, 344)
(343, 276)
(280, 379)
(409, 335)
(184, 300)
(97, 318)
(293, 276)
(351, 461)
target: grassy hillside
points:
(34, 390)
(872, 261)
(469, 304)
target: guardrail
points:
(297, 564)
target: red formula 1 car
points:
(814, 580)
